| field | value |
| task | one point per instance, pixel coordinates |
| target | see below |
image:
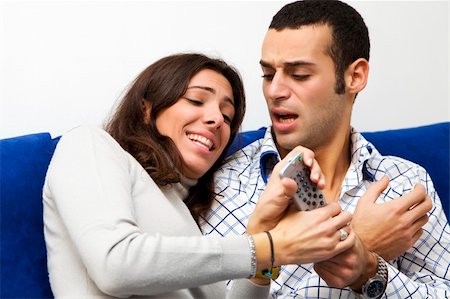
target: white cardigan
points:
(111, 231)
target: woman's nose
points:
(213, 117)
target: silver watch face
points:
(375, 287)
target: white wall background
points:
(64, 62)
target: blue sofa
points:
(24, 162)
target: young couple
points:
(150, 206)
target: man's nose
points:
(278, 88)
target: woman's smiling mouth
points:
(202, 141)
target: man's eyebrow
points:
(297, 63)
(289, 64)
(211, 90)
(265, 64)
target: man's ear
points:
(356, 76)
(147, 109)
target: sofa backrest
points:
(25, 159)
(24, 163)
(427, 146)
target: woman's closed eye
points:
(193, 101)
(227, 119)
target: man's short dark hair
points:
(350, 36)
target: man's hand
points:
(352, 268)
(391, 228)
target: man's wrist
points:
(375, 286)
(371, 271)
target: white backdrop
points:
(64, 63)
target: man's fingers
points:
(421, 209)
(421, 221)
(417, 229)
(417, 196)
(416, 236)
(374, 190)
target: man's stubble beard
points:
(318, 131)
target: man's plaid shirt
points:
(421, 272)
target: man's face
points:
(299, 88)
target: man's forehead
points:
(290, 47)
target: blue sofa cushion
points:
(24, 161)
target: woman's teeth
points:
(201, 140)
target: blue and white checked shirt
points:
(421, 272)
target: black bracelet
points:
(273, 272)
(272, 254)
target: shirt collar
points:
(362, 154)
(362, 165)
(269, 155)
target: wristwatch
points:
(374, 288)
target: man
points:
(315, 62)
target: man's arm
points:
(423, 271)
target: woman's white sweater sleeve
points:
(90, 189)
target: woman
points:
(121, 205)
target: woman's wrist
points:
(257, 250)
(258, 225)
(262, 246)
(252, 246)
(260, 281)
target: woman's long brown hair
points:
(162, 84)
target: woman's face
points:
(199, 122)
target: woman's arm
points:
(90, 182)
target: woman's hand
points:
(305, 237)
(312, 236)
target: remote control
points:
(308, 196)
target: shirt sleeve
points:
(424, 270)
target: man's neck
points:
(334, 160)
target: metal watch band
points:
(382, 267)
(375, 287)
